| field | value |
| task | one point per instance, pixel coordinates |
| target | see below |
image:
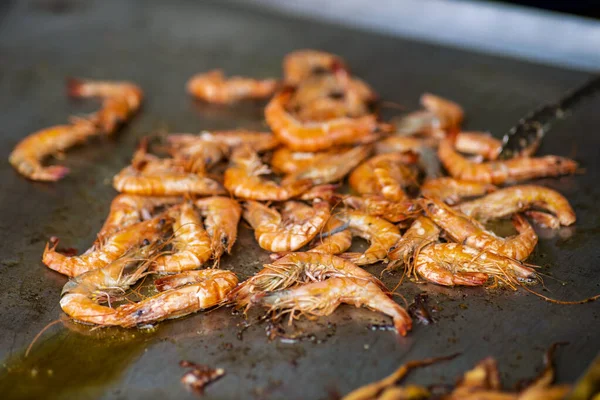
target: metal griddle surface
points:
(159, 45)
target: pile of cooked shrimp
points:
(177, 215)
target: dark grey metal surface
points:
(159, 45)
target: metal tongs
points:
(523, 139)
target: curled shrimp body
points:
(463, 229)
(520, 198)
(322, 298)
(129, 209)
(379, 206)
(381, 235)
(131, 180)
(191, 243)
(452, 191)
(384, 174)
(317, 135)
(209, 288)
(213, 87)
(201, 155)
(499, 172)
(120, 100)
(294, 227)
(82, 295)
(296, 268)
(27, 156)
(451, 264)
(482, 144)
(423, 230)
(286, 161)
(243, 179)
(331, 168)
(303, 64)
(222, 215)
(112, 248)
(403, 144)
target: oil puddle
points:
(72, 363)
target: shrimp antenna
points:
(44, 329)
(562, 302)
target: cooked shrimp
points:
(131, 181)
(302, 64)
(379, 206)
(222, 215)
(296, 268)
(452, 191)
(317, 135)
(482, 144)
(388, 181)
(128, 209)
(191, 243)
(449, 114)
(463, 229)
(211, 289)
(322, 298)
(320, 192)
(258, 141)
(381, 235)
(423, 230)
(27, 156)
(519, 198)
(452, 264)
(120, 100)
(82, 294)
(297, 224)
(112, 248)
(213, 87)
(499, 172)
(332, 168)
(243, 179)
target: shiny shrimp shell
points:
(28, 155)
(505, 171)
(243, 179)
(452, 191)
(317, 135)
(110, 249)
(294, 227)
(381, 235)
(213, 87)
(511, 200)
(322, 298)
(120, 100)
(463, 229)
(296, 268)
(451, 264)
(222, 215)
(191, 243)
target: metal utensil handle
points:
(524, 138)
